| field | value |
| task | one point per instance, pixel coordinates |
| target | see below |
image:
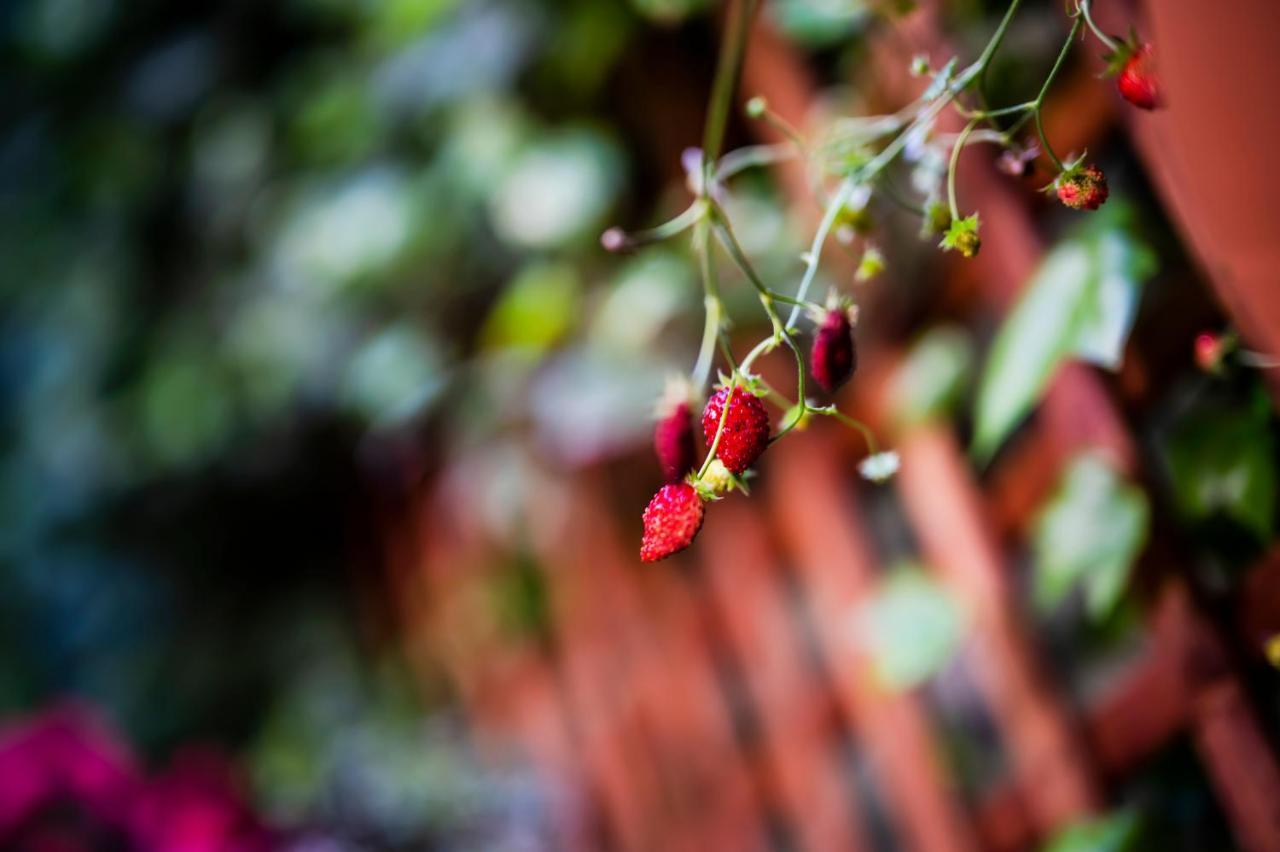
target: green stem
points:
(873, 446)
(1038, 107)
(1111, 43)
(726, 80)
(955, 162)
(750, 157)
(815, 249)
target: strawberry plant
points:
(849, 164)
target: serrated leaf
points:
(1221, 461)
(1080, 302)
(1088, 536)
(911, 628)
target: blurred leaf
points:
(335, 120)
(393, 22)
(535, 311)
(1088, 535)
(652, 289)
(394, 375)
(820, 23)
(668, 11)
(1117, 832)
(557, 191)
(1080, 302)
(1222, 461)
(933, 377)
(910, 627)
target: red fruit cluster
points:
(833, 357)
(746, 427)
(671, 520)
(1082, 188)
(673, 441)
(1137, 83)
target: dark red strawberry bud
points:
(746, 427)
(1082, 188)
(673, 440)
(671, 520)
(833, 357)
(1137, 83)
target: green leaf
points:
(1117, 832)
(933, 377)
(1088, 535)
(537, 309)
(1080, 302)
(1221, 461)
(910, 627)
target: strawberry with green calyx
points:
(962, 236)
(745, 433)
(1081, 187)
(671, 521)
(833, 357)
(1131, 64)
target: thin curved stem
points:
(1111, 43)
(1044, 91)
(726, 81)
(953, 168)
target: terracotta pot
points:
(1212, 150)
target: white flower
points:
(880, 467)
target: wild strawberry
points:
(746, 427)
(1211, 349)
(833, 357)
(1137, 83)
(671, 520)
(1082, 188)
(673, 433)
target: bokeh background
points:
(324, 427)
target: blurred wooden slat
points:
(819, 524)
(643, 630)
(799, 751)
(946, 511)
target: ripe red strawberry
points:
(833, 357)
(673, 439)
(671, 520)
(1082, 188)
(1137, 83)
(746, 427)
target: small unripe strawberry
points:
(833, 357)
(746, 427)
(1210, 351)
(671, 520)
(1137, 83)
(1082, 187)
(673, 439)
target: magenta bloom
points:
(196, 806)
(66, 782)
(69, 784)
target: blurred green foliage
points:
(1088, 535)
(911, 628)
(1080, 303)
